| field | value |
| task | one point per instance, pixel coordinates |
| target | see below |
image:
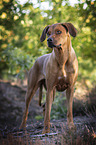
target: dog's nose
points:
(49, 39)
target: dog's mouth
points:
(57, 46)
(51, 45)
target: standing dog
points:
(56, 71)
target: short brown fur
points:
(56, 71)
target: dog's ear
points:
(43, 36)
(70, 28)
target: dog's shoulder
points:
(42, 58)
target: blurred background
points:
(21, 25)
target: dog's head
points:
(57, 34)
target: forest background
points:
(21, 25)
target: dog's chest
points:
(62, 83)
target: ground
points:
(12, 102)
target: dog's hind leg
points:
(29, 94)
(40, 94)
(31, 89)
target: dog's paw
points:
(46, 130)
(22, 126)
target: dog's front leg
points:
(69, 96)
(49, 100)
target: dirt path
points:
(12, 102)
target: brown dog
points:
(56, 71)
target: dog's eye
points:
(58, 32)
(48, 34)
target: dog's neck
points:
(62, 55)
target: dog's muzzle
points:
(50, 43)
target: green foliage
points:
(17, 61)
(59, 108)
(22, 25)
(38, 117)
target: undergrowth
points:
(82, 137)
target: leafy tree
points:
(22, 25)
(20, 36)
(87, 13)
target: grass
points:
(83, 136)
(80, 107)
